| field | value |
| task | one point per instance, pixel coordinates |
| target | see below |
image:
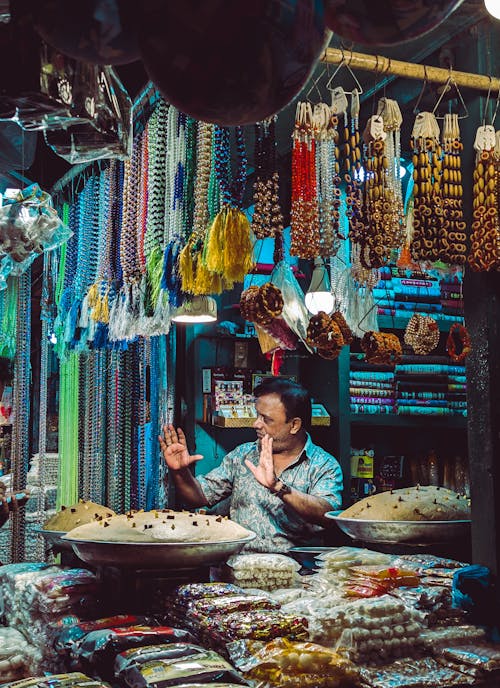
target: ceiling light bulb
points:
(319, 296)
(493, 7)
(199, 309)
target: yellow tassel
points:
(187, 269)
(206, 282)
(93, 295)
(215, 244)
(237, 246)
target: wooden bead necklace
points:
(267, 217)
(452, 236)
(485, 237)
(422, 334)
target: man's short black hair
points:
(293, 396)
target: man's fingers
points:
(250, 466)
(197, 457)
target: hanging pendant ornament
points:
(453, 236)
(267, 219)
(485, 237)
(229, 249)
(427, 201)
(261, 55)
(387, 23)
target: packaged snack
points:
(228, 604)
(264, 571)
(14, 655)
(71, 680)
(194, 591)
(69, 635)
(289, 664)
(172, 665)
(414, 673)
(98, 649)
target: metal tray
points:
(402, 532)
(53, 538)
(157, 555)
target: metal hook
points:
(422, 90)
(315, 87)
(451, 83)
(344, 63)
(487, 101)
(496, 108)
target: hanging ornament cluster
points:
(422, 334)
(328, 334)
(453, 225)
(381, 348)
(267, 218)
(485, 237)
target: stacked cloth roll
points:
(430, 385)
(371, 389)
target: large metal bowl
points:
(402, 532)
(53, 538)
(157, 555)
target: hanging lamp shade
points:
(319, 296)
(199, 309)
(388, 22)
(231, 62)
(92, 31)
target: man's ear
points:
(296, 425)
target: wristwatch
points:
(281, 489)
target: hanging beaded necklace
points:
(452, 239)
(21, 411)
(267, 218)
(305, 236)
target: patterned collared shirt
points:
(278, 527)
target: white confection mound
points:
(419, 503)
(78, 514)
(160, 526)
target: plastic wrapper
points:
(66, 590)
(287, 595)
(433, 603)
(481, 656)
(172, 665)
(292, 664)
(294, 313)
(229, 604)
(262, 624)
(426, 561)
(65, 638)
(29, 225)
(376, 630)
(465, 633)
(98, 649)
(375, 580)
(71, 680)
(14, 655)
(340, 559)
(264, 571)
(414, 673)
(194, 591)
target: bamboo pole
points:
(386, 65)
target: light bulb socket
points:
(319, 296)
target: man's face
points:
(271, 420)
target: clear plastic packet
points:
(375, 580)
(172, 665)
(344, 557)
(14, 655)
(427, 561)
(264, 571)
(70, 680)
(462, 634)
(294, 313)
(423, 672)
(98, 649)
(285, 663)
(482, 656)
(287, 595)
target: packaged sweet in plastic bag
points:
(173, 665)
(229, 604)
(288, 664)
(65, 638)
(195, 591)
(98, 649)
(71, 680)
(264, 571)
(425, 672)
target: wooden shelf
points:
(228, 423)
(393, 420)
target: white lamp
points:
(198, 309)
(493, 7)
(319, 296)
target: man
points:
(280, 486)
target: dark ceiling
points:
(441, 47)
